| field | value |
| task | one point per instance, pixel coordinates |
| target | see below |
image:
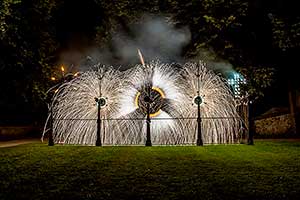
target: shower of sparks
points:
(171, 89)
(220, 120)
(162, 80)
(75, 110)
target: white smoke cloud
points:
(156, 37)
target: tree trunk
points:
(251, 125)
(292, 105)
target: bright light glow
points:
(220, 121)
(136, 101)
(53, 78)
(124, 122)
(159, 91)
(235, 81)
(155, 89)
(76, 100)
(160, 77)
(62, 68)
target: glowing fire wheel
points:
(155, 97)
(101, 101)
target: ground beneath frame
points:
(267, 170)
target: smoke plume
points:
(156, 37)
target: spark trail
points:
(171, 90)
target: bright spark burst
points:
(75, 110)
(171, 90)
(220, 120)
(166, 104)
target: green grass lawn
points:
(267, 170)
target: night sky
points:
(76, 22)
(75, 32)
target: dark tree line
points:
(259, 38)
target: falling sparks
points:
(220, 120)
(165, 104)
(171, 90)
(75, 108)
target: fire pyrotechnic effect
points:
(159, 85)
(169, 93)
(220, 120)
(75, 110)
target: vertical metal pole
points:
(50, 140)
(148, 120)
(199, 136)
(251, 125)
(199, 133)
(98, 140)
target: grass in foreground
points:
(267, 170)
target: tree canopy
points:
(257, 38)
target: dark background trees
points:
(259, 38)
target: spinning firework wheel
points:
(152, 85)
(220, 122)
(169, 97)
